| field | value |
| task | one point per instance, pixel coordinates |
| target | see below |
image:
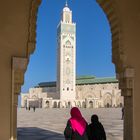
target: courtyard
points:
(49, 124)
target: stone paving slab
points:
(49, 124)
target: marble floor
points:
(49, 124)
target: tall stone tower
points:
(66, 59)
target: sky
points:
(93, 43)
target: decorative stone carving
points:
(118, 56)
(126, 83)
(32, 26)
(19, 66)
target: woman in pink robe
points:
(76, 128)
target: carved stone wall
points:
(95, 96)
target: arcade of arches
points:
(17, 40)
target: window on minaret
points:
(68, 43)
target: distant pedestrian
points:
(34, 108)
(29, 108)
(95, 129)
(76, 128)
(122, 113)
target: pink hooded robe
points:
(78, 123)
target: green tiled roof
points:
(96, 80)
(47, 84)
(85, 77)
(84, 80)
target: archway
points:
(107, 100)
(84, 105)
(69, 104)
(90, 104)
(34, 102)
(55, 104)
(107, 105)
(47, 104)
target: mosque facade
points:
(69, 90)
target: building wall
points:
(101, 95)
(105, 93)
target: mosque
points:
(68, 91)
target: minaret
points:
(66, 59)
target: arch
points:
(47, 104)
(107, 99)
(90, 104)
(108, 102)
(107, 94)
(69, 104)
(107, 105)
(108, 7)
(54, 104)
(68, 42)
(89, 96)
(34, 103)
(34, 97)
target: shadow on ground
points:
(34, 133)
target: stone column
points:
(18, 69)
(95, 103)
(114, 101)
(101, 98)
(22, 101)
(126, 84)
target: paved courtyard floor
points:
(49, 124)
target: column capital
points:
(19, 66)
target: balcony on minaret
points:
(66, 15)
